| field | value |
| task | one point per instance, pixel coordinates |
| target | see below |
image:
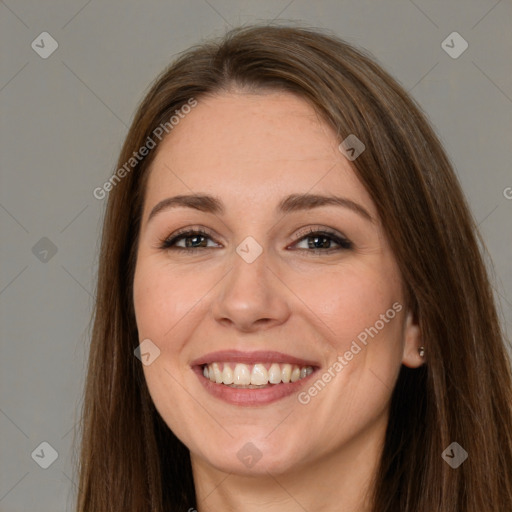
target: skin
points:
(251, 150)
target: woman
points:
(292, 309)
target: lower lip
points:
(248, 397)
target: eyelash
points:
(344, 243)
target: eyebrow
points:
(292, 203)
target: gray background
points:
(63, 123)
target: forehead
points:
(252, 146)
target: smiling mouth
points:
(254, 376)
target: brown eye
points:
(193, 240)
(322, 241)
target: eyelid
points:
(183, 233)
(344, 243)
(317, 229)
(338, 237)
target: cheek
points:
(163, 296)
(361, 312)
(351, 299)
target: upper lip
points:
(258, 356)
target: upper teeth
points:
(257, 375)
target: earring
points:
(421, 351)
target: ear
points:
(412, 342)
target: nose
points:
(251, 297)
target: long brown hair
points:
(131, 461)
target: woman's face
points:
(279, 282)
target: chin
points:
(253, 456)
